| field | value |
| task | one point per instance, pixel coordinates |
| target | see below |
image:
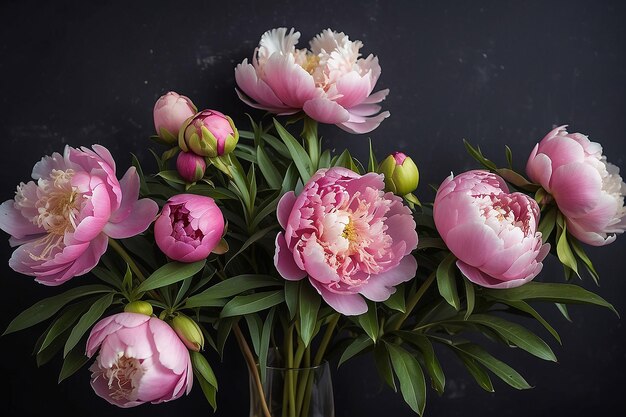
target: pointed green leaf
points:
(87, 320)
(410, 376)
(292, 294)
(478, 372)
(526, 308)
(446, 281)
(229, 287)
(170, 273)
(47, 307)
(202, 367)
(563, 250)
(75, 360)
(64, 321)
(372, 165)
(369, 321)
(266, 336)
(469, 297)
(355, 347)
(383, 365)
(209, 391)
(309, 305)
(430, 360)
(397, 301)
(246, 304)
(547, 223)
(268, 169)
(297, 152)
(255, 327)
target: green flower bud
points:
(401, 174)
(140, 307)
(189, 332)
(208, 133)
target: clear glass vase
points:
(295, 392)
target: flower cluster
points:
(298, 242)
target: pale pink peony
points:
(170, 112)
(586, 187)
(141, 359)
(330, 82)
(491, 232)
(63, 219)
(348, 236)
(189, 227)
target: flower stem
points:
(319, 356)
(128, 259)
(414, 300)
(247, 354)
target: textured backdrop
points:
(495, 73)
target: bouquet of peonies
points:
(302, 254)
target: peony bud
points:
(188, 331)
(190, 166)
(170, 113)
(139, 307)
(401, 174)
(208, 133)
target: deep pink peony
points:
(141, 360)
(348, 236)
(63, 219)
(587, 189)
(330, 82)
(491, 232)
(189, 227)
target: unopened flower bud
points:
(170, 113)
(401, 174)
(190, 166)
(208, 133)
(188, 331)
(140, 307)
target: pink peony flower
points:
(189, 227)
(330, 82)
(170, 112)
(63, 219)
(141, 359)
(491, 232)
(348, 236)
(586, 187)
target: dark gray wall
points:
(495, 73)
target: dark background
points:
(495, 73)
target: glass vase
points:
(292, 392)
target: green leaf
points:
(290, 180)
(446, 281)
(526, 308)
(431, 242)
(75, 360)
(184, 287)
(209, 391)
(255, 327)
(255, 237)
(63, 322)
(325, 159)
(470, 297)
(309, 305)
(127, 281)
(143, 186)
(499, 368)
(265, 342)
(265, 211)
(172, 176)
(563, 250)
(516, 334)
(553, 292)
(369, 321)
(478, 156)
(547, 222)
(297, 152)
(107, 276)
(345, 160)
(50, 352)
(47, 307)
(92, 315)
(170, 273)
(397, 301)
(229, 287)
(246, 304)
(269, 171)
(202, 367)
(372, 165)
(430, 360)
(478, 372)
(410, 376)
(355, 347)
(292, 294)
(223, 330)
(509, 156)
(580, 252)
(383, 365)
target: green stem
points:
(326, 339)
(414, 300)
(313, 145)
(128, 259)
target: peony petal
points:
(473, 243)
(539, 169)
(316, 264)
(365, 126)
(347, 304)
(173, 354)
(376, 97)
(324, 110)
(380, 287)
(284, 262)
(142, 214)
(353, 89)
(255, 88)
(13, 223)
(291, 83)
(285, 206)
(576, 188)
